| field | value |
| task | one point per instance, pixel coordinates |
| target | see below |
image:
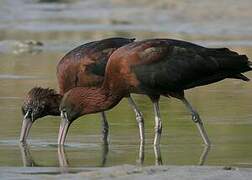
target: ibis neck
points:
(54, 103)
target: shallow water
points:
(225, 107)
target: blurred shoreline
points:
(78, 21)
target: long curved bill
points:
(26, 126)
(64, 126)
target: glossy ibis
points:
(154, 67)
(83, 66)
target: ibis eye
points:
(63, 114)
(28, 113)
(62, 109)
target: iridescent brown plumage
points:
(83, 66)
(154, 67)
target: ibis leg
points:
(158, 123)
(105, 128)
(196, 118)
(139, 119)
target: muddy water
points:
(225, 107)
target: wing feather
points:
(175, 66)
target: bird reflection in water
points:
(64, 162)
(158, 156)
(204, 155)
(26, 155)
(140, 160)
(157, 152)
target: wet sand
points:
(129, 172)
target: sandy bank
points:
(130, 172)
